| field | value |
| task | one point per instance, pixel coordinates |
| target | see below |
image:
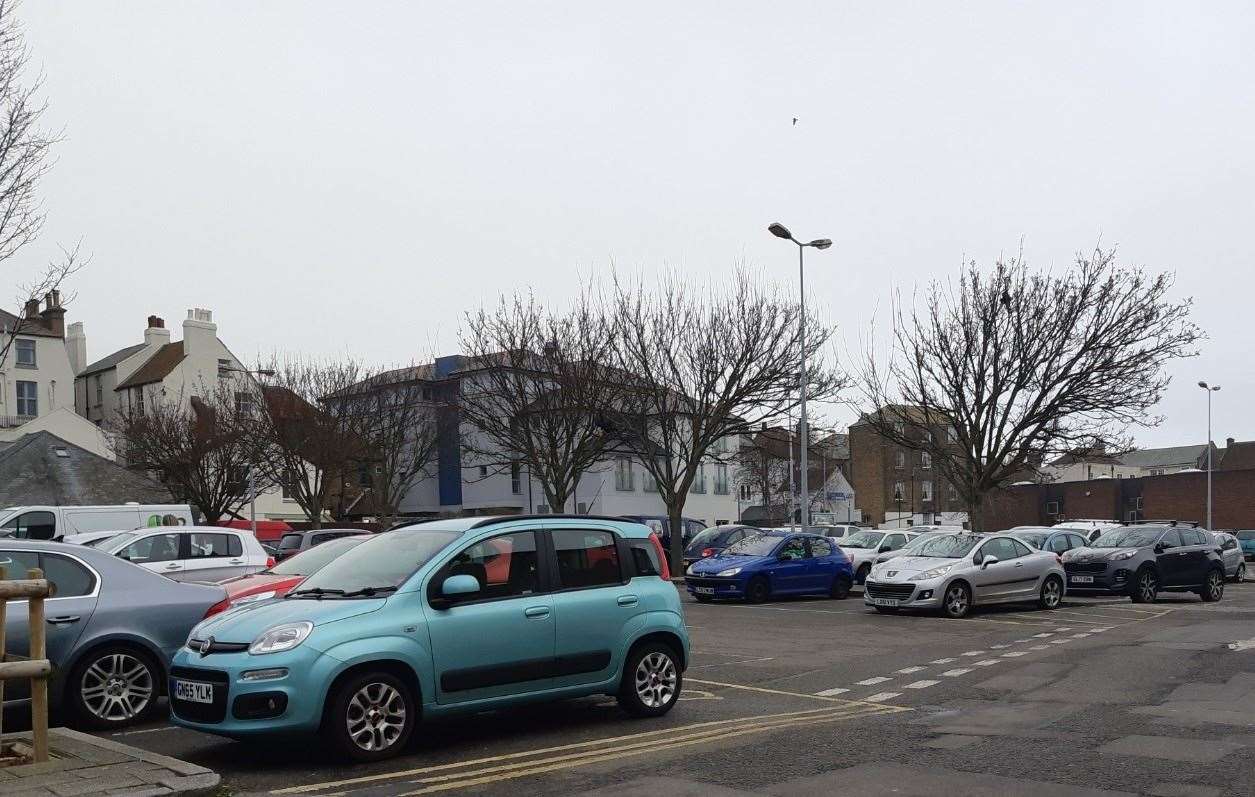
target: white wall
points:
(52, 373)
(67, 425)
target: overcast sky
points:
(332, 177)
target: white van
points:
(55, 522)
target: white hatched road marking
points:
(1042, 635)
(999, 647)
(1060, 641)
(832, 692)
(1014, 653)
(986, 662)
(943, 661)
(1064, 628)
(882, 697)
(1079, 636)
(909, 670)
(973, 653)
(956, 673)
(921, 684)
(879, 679)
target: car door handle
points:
(173, 566)
(1019, 564)
(73, 618)
(536, 611)
(628, 600)
(237, 561)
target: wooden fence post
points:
(39, 686)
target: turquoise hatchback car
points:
(438, 618)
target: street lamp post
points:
(1210, 389)
(780, 231)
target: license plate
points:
(885, 601)
(1082, 579)
(704, 590)
(193, 692)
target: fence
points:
(34, 590)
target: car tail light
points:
(662, 556)
(220, 606)
(707, 552)
(270, 562)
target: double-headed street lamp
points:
(780, 231)
(1210, 389)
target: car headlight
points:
(936, 572)
(731, 571)
(281, 638)
(1120, 556)
(260, 596)
(690, 570)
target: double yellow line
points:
(481, 771)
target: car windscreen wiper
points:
(317, 592)
(368, 592)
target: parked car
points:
(1140, 561)
(55, 522)
(865, 545)
(954, 572)
(661, 525)
(293, 542)
(377, 638)
(1092, 529)
(1230, 551)
(111, 628)
(911, 545)
(274, 582)
(1050, 538)
(834, 529)
(92, 538)
(771, 563)
(1246, 538)
(713, 540)
(191, 553)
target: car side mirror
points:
(1160, 547)
(458, 586)
(987, 561)
(882, 549)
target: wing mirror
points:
(454, 587)
(987, 561)
(1160, 547)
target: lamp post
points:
(780, 231)
(252, 477)
(1210, 389)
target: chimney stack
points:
(1229, 442)
(200, 333)
(54, 314)
(76, 347)
(156, 334)
(32, 309)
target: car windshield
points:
(1034, 538)
(102, 540)
(316, 558)
(383, 562)
(755, 545)
(862, 539)
(949, 546)
(1246, 534)
(1127, 538)
(706, 537)
(117, 540)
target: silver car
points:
(111, 630)
(862, 547)
(918, 540)
(954, 572)
(1231, 554)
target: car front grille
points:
(200, 712)
(698, 581)
(900, 592)
(198, 646)
(1085, 567)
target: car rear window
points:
(1246, 534)
(645, 557)
(290, 542)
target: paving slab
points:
(1171, 748)
(877, 780)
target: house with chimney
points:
(39, 357)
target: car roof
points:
(468, 524)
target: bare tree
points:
(25, 157)
(531, 390)
(701, 364)
(199, 447)
(1007, 367)
(313, 444)
(763, 465)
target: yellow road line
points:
(679, 729)
(781, 692)
(479, 780)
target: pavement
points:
(817, 696)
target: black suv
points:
(1140, 561)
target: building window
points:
(285, 486)
(224, 369)
(926, 491)
(244, 404)
(100, 390)
(139, 400)
(516, 478)
(28, 399)
(1052, 507)
(899, 428)
(953, 493)
(952, 435)
(426, 394)
(699, 480)
(363, 476)
(745, 492)
(648, 483)
(926, 460)
(899, 460)
(899, 490)
(721, 479)
(25, 353)
(719, 446)
(623, 477)
(483, 471)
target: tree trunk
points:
(676, 524)
(975, 515)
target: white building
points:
(37, 376)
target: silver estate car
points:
(953, 572)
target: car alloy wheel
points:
(376, 717)
(1147, 587)
(117, 687)
(957, 601)
(656, 680)
(1051, 593)
(1240, 576)
(1213, 590)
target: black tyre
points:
(651, 680)
(371, 716)
(114, 686)
(1213, 586)
(758, 590)
(1145, 586)
(957, 601)
(1240, 575)
(703, 598)
(840, 587)
(861, 576)
(1051, 593)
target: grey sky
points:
(333, 177)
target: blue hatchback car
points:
(770, 563)
(439, 618)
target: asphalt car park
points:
(809, 695)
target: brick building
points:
(893, 482)
(1174, 496)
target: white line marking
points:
(942, 661)
(909, 670)
(1042, 636)
(1242, 644)
(922, 684)
(882, 696)
(986, 662)
(873, 681)
(999, 647)
(1064, 628)
(1079, 636)
(832, 692)
(1099, 630)
(956, 673)
(1013, 654)
(973, 653)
